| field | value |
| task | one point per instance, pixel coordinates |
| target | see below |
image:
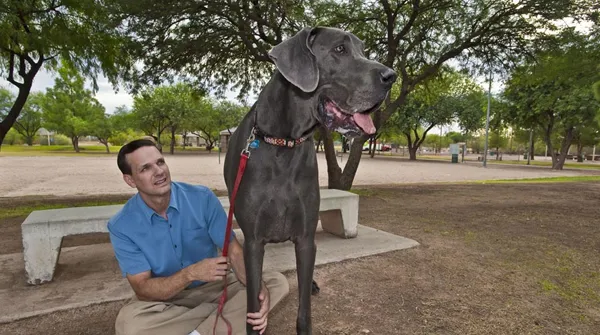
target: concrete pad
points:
(88, 275)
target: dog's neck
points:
(285, 111)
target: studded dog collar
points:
(280, 142)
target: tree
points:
(543, 96)
(102, 127)
(215, 116)
(586, 136)
(69, 108)
(438, 102)
(166, 107)
(42, 34)
(225, 44)
(456, 137)
(30, 120)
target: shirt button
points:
(181, 264)
(170, 226)
(175, 245)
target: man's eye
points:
(340, 49)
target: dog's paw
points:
(315, 288)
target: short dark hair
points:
(129, 148)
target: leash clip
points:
(251, 143)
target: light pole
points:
(487, 122)
(530, 145)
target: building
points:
(224, 136)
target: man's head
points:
(144, 167)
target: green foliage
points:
(166, 107)
(217, 43)
(47, 33)
(13, 138)
(6, 99)
(449, 97)
(30, 120)
(60, 139)
(543, 96)
(455, 137)
(69, 108)
(215, 116)
(119, 138)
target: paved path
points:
(73, 175)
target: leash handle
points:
(241, 168)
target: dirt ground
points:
(493, 259)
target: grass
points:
(50, 149)
(6, 213)
(568, 164)
(573, 179)
(45, 150)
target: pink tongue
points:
(364, 122)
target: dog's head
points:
(330, 63)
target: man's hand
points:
(259, 319)
(207, 270)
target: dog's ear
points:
(295, 61)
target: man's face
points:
(149, 172)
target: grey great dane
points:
(322, 78)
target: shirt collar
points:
(149, 212)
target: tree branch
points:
(11, 70)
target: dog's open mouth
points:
(348, 124)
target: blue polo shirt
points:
(143, 240)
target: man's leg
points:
(178, 316)
(235, 307)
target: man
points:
(165, 239)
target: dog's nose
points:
(388, 76)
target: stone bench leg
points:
(341, 222)
(40, 252)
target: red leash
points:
(243, 160)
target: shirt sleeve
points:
(131, 259)
(217, 220)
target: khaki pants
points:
(196, 309)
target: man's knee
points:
(277, 285)
(136, 318)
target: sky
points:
(106, 95)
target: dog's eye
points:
(340, 49)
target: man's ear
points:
(295, 60)
(129, 180)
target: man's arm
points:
(147, 288)
(164, 288)
(236, 255)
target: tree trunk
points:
(412, 152)
(338, 179)
(75, 141)
(497, 153)
(24, 89)
(579, 152)
(184, 140)
(565, 145)
(29, 140)
(532, 150)
(319, 141)
(105, 142)
(375, 139)
(172, 149)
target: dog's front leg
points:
(306, 251)
(254, 253)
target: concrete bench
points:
(43, 231)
